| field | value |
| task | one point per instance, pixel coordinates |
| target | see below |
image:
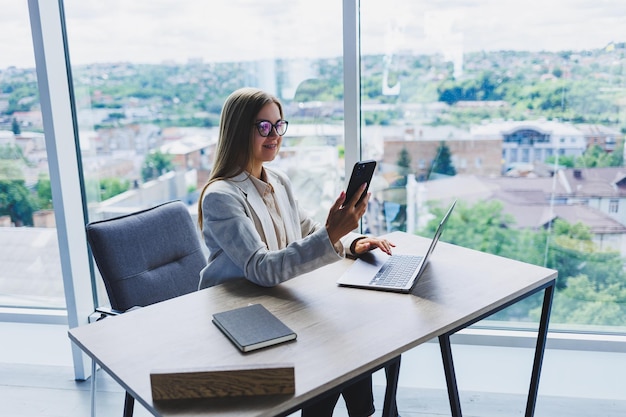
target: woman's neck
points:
(256, 170)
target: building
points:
(595, 197)
(600, 188)
(532, 141)
(476, 156)
(496, 147)
(602, 136)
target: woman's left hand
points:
(370, 243)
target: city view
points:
(531, 142)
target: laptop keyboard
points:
(396, 271)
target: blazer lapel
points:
(257, 205)
(290, 219)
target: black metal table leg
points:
(540, 349)
(448, 364)
(448, 368)
(129, 405)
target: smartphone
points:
(361, 173)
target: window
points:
(525, 155)
(434, 81)
(437, 69)
(149, 95)
(31, 273)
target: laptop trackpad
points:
(365, 267)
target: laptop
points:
(376, 270)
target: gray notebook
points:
(378, 271)
(252, 327)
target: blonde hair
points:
(234, 145)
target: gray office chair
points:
(146, 257)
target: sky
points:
(153, 31)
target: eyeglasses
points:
(265, 127)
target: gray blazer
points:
(241, 239)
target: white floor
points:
(565, 373)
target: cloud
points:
(214, 30)
(237, 30)
(16, 46)
(500, 25)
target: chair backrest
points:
(147, 256)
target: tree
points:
(595, 156)
(105, 188)
(15, 127)
(44, 192)
(442, 164)
(617, 156)
(562, 160)
(155, 164)
(12, 152)
(484, 86)
(313, 89)
(581, 302)
(15, 198)
(572, 252)
(404, 166)
(591, 285)
(483, 227)
(404, 162)
(110, 187)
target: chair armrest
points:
(103, 312)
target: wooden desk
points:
(342, 332)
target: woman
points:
(253, 227)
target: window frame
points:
(54, 76)
(61, 135)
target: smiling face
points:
(265, 149)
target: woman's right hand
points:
(344, 218)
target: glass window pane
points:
(518, 112)
(29, 253)
(149, 94)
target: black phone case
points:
(361, 172)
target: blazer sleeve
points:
(229, 230)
